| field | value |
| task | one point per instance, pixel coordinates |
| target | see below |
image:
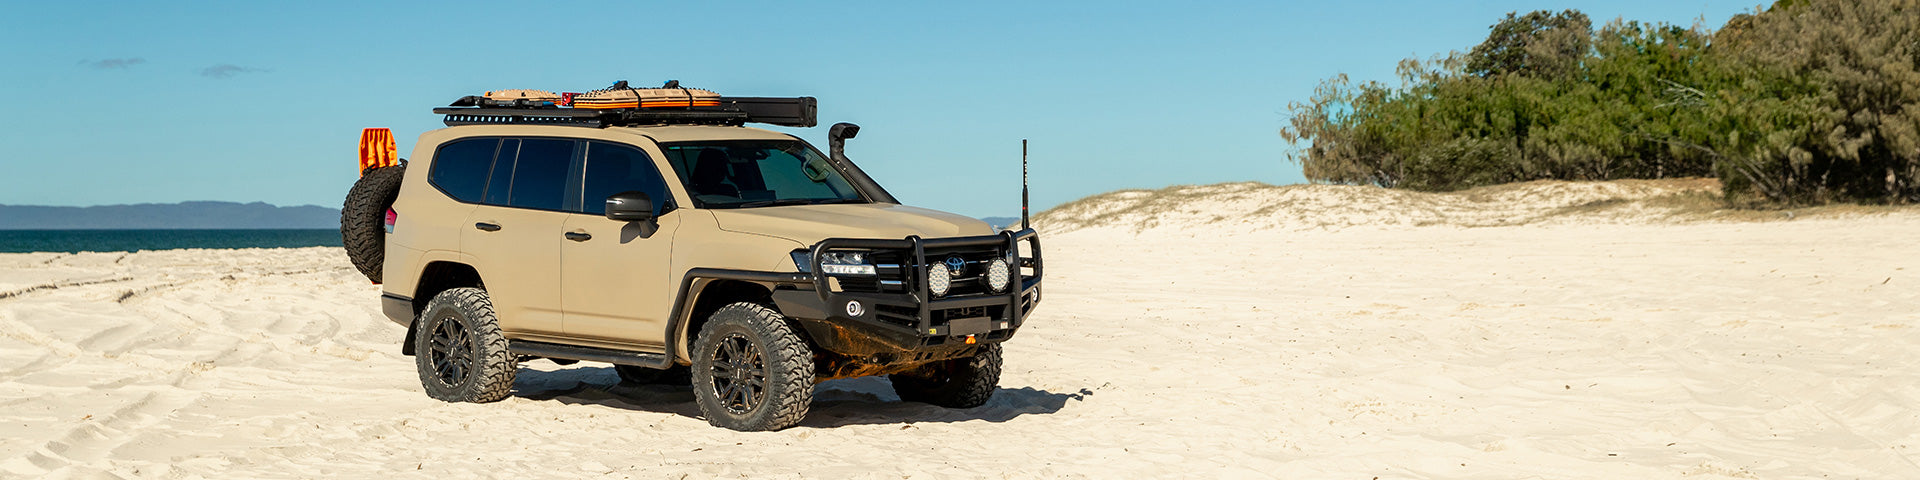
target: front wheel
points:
(751, 372)
(957, 383)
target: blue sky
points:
(264, 101)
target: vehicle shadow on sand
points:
(854, 401)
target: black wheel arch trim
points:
(682, 303)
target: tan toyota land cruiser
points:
(680, 246)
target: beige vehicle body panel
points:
(614, 287)
(433, 223)
(518, 263)
(617, 289)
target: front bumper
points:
(899, 317)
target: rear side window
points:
(460, 168)
(540, 174)
(501, 179)
(612, 169)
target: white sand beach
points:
(1237, 331)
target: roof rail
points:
(783, 111)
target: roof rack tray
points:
(784, 111)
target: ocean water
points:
(18, 241)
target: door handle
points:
(487, 227)
(579, 236)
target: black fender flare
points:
(689, 296)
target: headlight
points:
(938, 279)
(834, 263)
(838, 269)
(998, 274)
(843, 258)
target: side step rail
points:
(590, 354)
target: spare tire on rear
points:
(363, 218)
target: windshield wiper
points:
(795, 201)
(825, 201)
(772, 203)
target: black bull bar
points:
(860, 330)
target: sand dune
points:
(1257, 207)
(1317, 342)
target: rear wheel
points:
(751, 372)
(459, 351)
(957, 383)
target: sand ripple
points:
(1554, 350)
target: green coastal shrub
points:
(1807, 101)
(1822, 102)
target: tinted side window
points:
(460, 168)
(540, 174)
(615, 168)
(502, 176)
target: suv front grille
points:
(896, 274)
(971, 277)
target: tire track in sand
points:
(59, 285)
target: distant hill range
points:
(184, 215)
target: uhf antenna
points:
(1023, 185)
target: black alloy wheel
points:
(751, 371)
(739, 374)
(451, 351)
(459, 352)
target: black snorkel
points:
(836, 151)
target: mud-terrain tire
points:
(957, 383)
(363, 218)
(751, 371)
(459, 351)
(675, 375)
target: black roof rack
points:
(783, 111)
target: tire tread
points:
(497, 367)
(971, 382)
(363, 218)
(789, 363)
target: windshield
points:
(757, 173)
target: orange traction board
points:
(377, 149)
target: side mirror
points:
(631, 206)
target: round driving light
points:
(998, 274)
(939, 280)
(855, 309)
